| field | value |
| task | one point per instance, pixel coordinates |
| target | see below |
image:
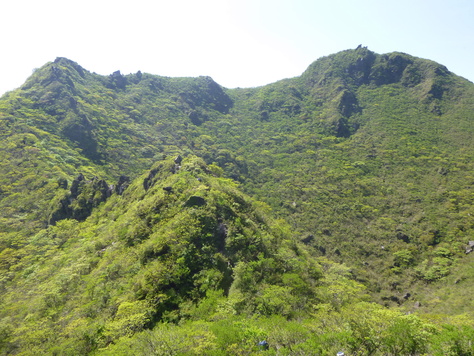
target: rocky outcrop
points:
(149, 181)
(83, 196)
(122, 184)
(469, 247)
(117, 81)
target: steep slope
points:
(117, 119)
(367, 156)
(65, 120)
(181, 262)
(176, 235)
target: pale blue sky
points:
(238, 43)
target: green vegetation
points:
(150, 255)
(148, 215)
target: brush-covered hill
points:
(180, 262)
(366, 159)
(174, 237)
(369, 157)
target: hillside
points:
(360, 173)
(174, 236)
(368, 157)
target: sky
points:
(243, 43)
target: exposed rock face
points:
(469, 247)
(148, 181)
(390, 68)
(75, 185)
(83, 196)
(122, 184)
(360, 70)
(177, 164)
(117, 80)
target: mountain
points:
(125, 203)
(368, 155)
(173, 236)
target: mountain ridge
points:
(364, 161)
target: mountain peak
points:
(360, 66)
(62, 71)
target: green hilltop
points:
(142, 214)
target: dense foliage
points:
(360, 173)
